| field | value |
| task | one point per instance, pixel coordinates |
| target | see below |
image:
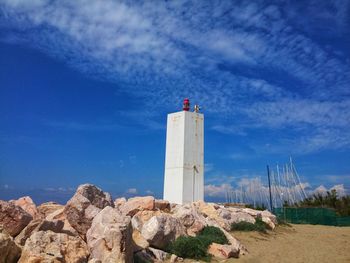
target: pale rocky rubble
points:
(13, 218)
(193, 221)
(100, 230)
(86, 203)
(47, 246)
(27, 204)
(48, 208)
(136, 204)
(222, 251)
(9, 251)
(160, 230)
(110, 237)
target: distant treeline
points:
(329, 200)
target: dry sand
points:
(297, 243)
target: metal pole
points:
(268, 176)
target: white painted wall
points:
(184, 157)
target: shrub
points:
(196, 247)
(189, 247)
(213, 234)
(259, 225)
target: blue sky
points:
(85, 87)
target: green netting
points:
(311, 215)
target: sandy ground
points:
(296, 243)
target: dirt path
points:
(297, 243)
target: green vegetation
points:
(330, 200)
(196, 247)
(261, 207)
(259, 225)
(138, 259)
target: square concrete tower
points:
(184, 160)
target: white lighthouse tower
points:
(184, 157)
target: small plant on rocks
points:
(259, 225)
(196, 247)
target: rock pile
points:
(93, 228)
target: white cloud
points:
(149, 192)
(132, 191)
(217, 191)
(208, 167)
(164, 51)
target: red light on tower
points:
(186, 105)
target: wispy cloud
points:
(132, 191)
(245, 61)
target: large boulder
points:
(190, 218)
(136, 204)
(39, 225)
(222, 251)
(210, 210)
(269, 215)
(233, 242)
(162, 205)
(157, 254)
(86, 203)
(9, 251)
(47, 208)
(13, 218)
(266, 216)
(141, 217)
(60, 215)
(241, 217)
(47, 246)
(27, 204)
(137, 223)
(160, 230)
(119, 202)
(109, 238)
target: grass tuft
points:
(259, 226)
(196, 247)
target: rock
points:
(27, 204)
(139, 241)
(13, 218)
(162, 205)
(190, 218)
(136, 204)
(143, 256)
(222, 251)
(27, 231)
(209, 210)
(9, 251)
(174, 258)
(241, 217)
(47, 208)
(141, 217)
(158, 255)
(57, 214)
(39, 225)
(60, 215)
(119, 202)
(110, 237)
(235, 244)
(268, 222)
(137, 223)
(250, 211)
(269, 215)
(160, 230)
(47, 246)
(86, 203)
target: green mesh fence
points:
(311, 215)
